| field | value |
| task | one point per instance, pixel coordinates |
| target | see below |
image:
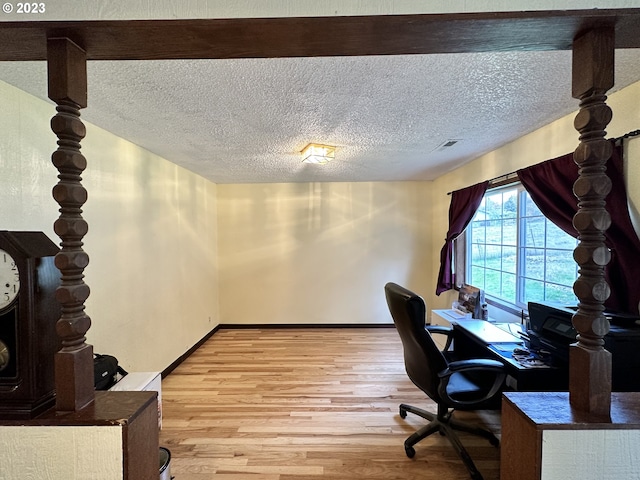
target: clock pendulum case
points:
(28, 315)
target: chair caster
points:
(410, 451)
(403, 412)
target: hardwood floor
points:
(303, 404)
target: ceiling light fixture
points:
(315, 153)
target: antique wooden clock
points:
(28, 315)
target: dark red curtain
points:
(464, 204)
(550, 185)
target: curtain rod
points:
(500, 180)
(635, 133)
(508, 177)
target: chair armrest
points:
(442, 330)
(469, 365)
(439, 329)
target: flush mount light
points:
(314, 153)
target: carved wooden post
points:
(67, 72)
(590, 363)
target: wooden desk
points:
(469, 345)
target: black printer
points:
(550, 329)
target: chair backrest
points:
(422, 358)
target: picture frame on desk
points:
(471, 298)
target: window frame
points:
(460, 256)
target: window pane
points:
(561, 268)
(494, 232)
(561, 294)
(493, 206)
(509, 259)
(509, 287)
(478, 254)
(510, 204)
(530, 209)
(557, 238)
(533, 290)
(510, 232)
(477, 277)
(533, 263)
(534, 232)
(478, 232)
(494, 257)
(492, 283)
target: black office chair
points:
(454, 385)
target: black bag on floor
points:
(105, 371)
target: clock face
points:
(9, 279)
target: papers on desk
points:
(517, 353)
(530, 359)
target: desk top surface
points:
(501, 343)
(487, 332)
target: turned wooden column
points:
(590, 363)
(67, 73)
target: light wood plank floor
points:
(305, 404)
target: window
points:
(515, 254)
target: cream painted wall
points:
(287, 253)
(320, 252)
(152, 234)
(553, 140)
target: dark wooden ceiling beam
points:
(318, 36)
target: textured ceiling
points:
(245, 121)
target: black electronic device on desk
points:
(551, 330)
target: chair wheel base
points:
(410, 451)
